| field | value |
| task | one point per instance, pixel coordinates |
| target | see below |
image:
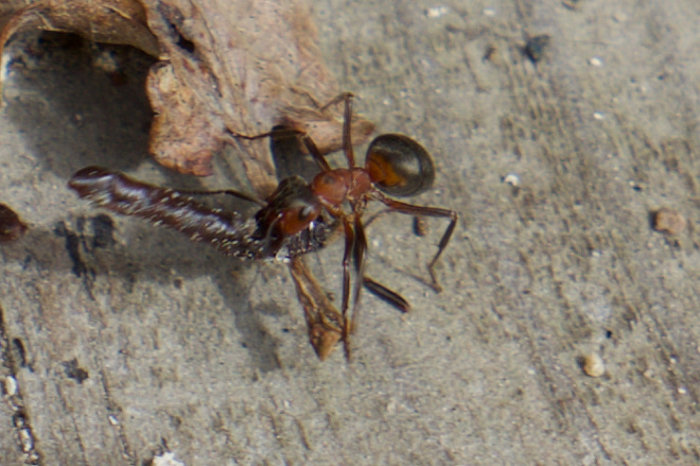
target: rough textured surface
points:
(126, 341)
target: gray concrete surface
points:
(124, 350)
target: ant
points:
(395, 165)
(291, 221)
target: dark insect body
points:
(227, 231)
(296, 219)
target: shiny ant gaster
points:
(291, 221)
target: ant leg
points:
(358, 258)
(424, 211)
(386, 294)
(352, 252)
(349, 244)
(345, 97)
(275, 132)
(315, 153)
(355, 247)
(441, 247)
(347, 130)
(306, 139)
(339, 98)
(317, 104)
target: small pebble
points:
(25, 438)
(595, 61)
(436, 12)
(167, 459)
(512, 179)
(593, 365)
(667, 220)
(535, 47)
(10, 386)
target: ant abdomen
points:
(399, 166)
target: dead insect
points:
(11, 226)
(263, 236)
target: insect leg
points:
(386, 294)
(425, 211)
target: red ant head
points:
(291, 208)
(399, 166)
(298, 216)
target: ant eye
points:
(399, 166)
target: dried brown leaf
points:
(226, 67)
